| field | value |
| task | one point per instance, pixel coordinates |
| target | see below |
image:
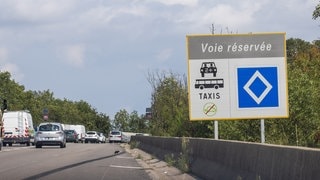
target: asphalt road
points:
(76, 161)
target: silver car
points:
(102, 138)
(91, 136)
(115, 136)
(50, 134)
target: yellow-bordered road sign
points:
(237, 76)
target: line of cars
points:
(17, 128)
(96, 137)
(51, 134)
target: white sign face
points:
(237, 76)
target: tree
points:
(12, 92)
(316, 12)
(297, 47)
(121, 120)
(136, 124)
(169, 104)
(103, 123)
(60, 110)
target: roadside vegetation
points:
(169, 105)
(60, 110)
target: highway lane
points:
(76, 161)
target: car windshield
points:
(49, 127)
(69, 132)
(91, 133)
(115, 133)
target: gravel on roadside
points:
(157, 169)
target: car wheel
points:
(38, 146)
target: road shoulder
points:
(156, 168)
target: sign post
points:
(45, 113)
(262, 131)
(237, 76)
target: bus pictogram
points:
(209, 83)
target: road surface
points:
(76, 161)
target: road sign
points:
(258, 87)
(242, 76)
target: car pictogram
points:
(208, 67)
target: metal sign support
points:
(216, 130)
(262, 131)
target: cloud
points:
(35, 10)
(164, 54)
(102, 15)
(179, 2)
(75, 54)
(3, 55)
(9, 67)
(226, 15)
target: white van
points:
(18, 128)
(81, 130)
(1, 128)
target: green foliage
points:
(134, 144)
(183, 161)
(170, 108)
(169, 105)
(64, 111)
(136, 123)
(316, 12)
(304, 96)
(121, 120)
(169, 159)
(129, 122)
(295, 48)
(12, 92)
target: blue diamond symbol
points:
(257, 87)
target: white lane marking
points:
(123, 157)
(8, 149)
(126, 167)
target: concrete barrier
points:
(219, 159)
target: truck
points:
(1, 129)
(80, 129)
(17, 128)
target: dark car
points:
(72, 136)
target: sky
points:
(101, 51)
